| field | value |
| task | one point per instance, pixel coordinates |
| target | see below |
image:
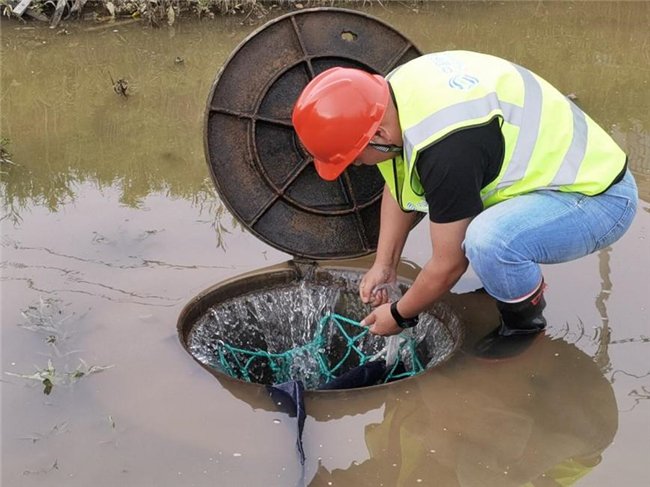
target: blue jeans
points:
(506, 243)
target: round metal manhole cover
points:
(261, 172)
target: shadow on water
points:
(105, 210)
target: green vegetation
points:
(47, 318)
(48, 376)
(5, 155)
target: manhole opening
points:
(305, 330)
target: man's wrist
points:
(400, 320)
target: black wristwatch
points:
(401, 321)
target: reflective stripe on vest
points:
(534, 157)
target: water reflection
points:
(604, 331)
(543, 417)
(66, 124)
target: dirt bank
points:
(160, 12)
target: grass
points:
(47, 318)
(159, 12)
(49, 376)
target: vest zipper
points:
(398, 194)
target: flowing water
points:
(310, 332)
(112, 225)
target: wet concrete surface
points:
(111, 226)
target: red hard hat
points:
(337, 114)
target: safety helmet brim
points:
(329, 171)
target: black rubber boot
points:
(520, 324)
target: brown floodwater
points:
(111, 225)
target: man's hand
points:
(370, 288)
(381, 322)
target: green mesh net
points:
(245, 364)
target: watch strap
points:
(400, 320)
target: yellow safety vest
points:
(549, 142)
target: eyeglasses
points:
(385, 148)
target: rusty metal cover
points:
(260, 171)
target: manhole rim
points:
(288, 269)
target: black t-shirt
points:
(454, 170)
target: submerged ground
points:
(111, 225)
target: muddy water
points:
(111, 226)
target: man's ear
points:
(382, 134)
